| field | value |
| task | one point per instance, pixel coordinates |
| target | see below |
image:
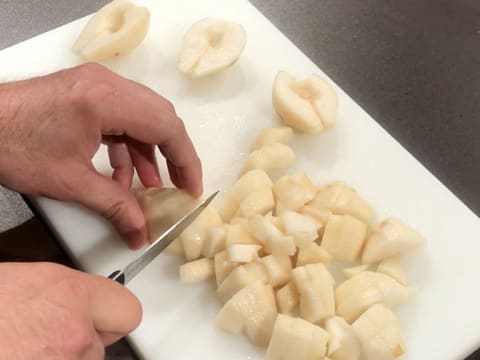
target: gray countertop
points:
(414, 65)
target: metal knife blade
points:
(165, 239)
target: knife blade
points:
(133, 268)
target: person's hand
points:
(53, 312)
(51, 126)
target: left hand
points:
(51, 127)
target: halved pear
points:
(163, 207)
(308, 105)
(117, 28)
(210, 46)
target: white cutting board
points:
(223, 114)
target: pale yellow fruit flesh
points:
(196, 271)
(365, 289)
(344, 237)
(117, 28)
(380, 334)
(308, 105)
(253, 310)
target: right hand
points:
(51, 312)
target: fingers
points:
(172, 170)
(128, 108)
(96, 350)
(181, 168)
(121, 163)
(115, 203)
(115, 311)
(143, 157)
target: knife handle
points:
(117, 276)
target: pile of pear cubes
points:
(272, 244)
(270, 247)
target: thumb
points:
(116, 204)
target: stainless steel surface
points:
(165, 239)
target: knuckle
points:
(92, 83)
(115, 211)
(90, 70)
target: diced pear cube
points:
(249, 182)
(214, 241)
(303, 228)
(344, 237)
(312, 254)
(243, 253)
(192, 238)
(268, 234)
(295, 338)
(380, 333)
(116, 29)
(393, 267)
(293, 191)
(365, 289)
(350, 272)
(343, 344)
(279, 269)
(258, 202)
(287, 298)
(315, 285)
(391, 237)
(343, 199)
(270, 156)
(175, 248)
(252, 310)
(267, 136)
(223, 267)
(238, 220)
(239, 278)
(239, 233)
(196, 271)
(319, 214)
